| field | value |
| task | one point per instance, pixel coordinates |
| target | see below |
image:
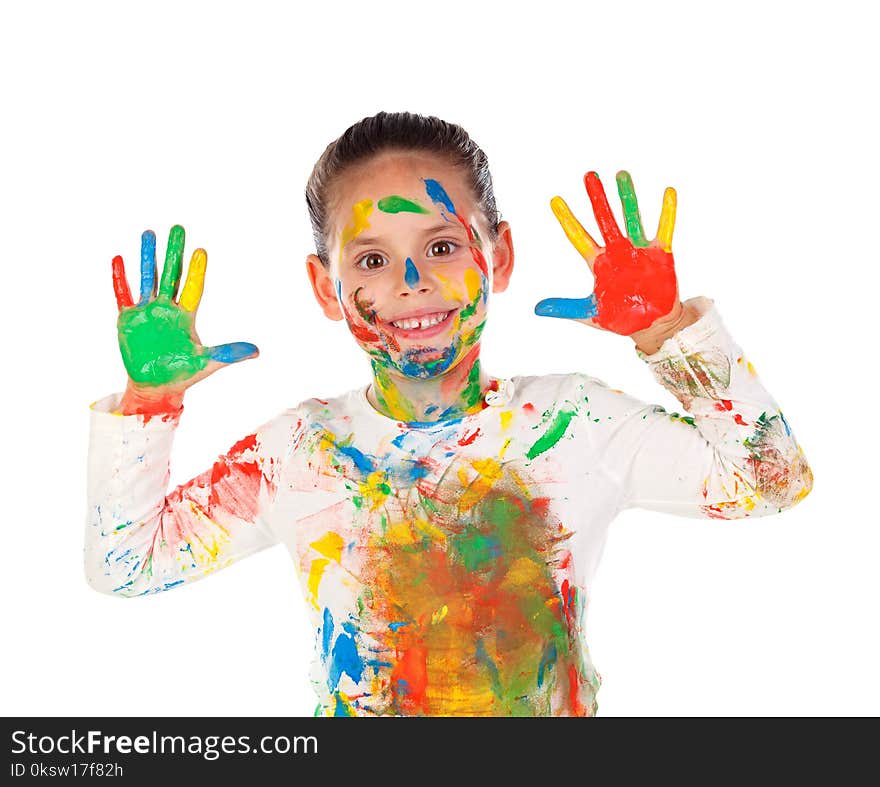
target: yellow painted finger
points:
(579, 237)
(667, 220)
(195, 281)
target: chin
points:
(425, 362)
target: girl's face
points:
(411, 265)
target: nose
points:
(413, 280)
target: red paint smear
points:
(724, 404)
(235, 483)
(481, 261)
(541, 507)
(411, 667)
(529, 407)
(577, 706)
(738, 419)
(168, 407)
(634, 286)
(470, 438)
(566, 560)
(359, 331)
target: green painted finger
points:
(173, 263)
(627, 193)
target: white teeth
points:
(424, 322)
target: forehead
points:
(431, 182)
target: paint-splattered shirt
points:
(447, 567)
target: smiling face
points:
(411, 263)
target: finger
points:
(232, 352)
(120, 285)
(573, 308)
(667, 219)
(195, 281)
(601, 209)
(148, 266)
(631, 214)
(579, 237)
(173, 263)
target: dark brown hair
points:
(404, 131)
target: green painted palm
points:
(157, 336)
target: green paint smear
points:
(553, 434)
(472, 393)
(627, 193)
(395, 204)
(468, 310)
(366, 316)
(157, 344)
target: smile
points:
(426, 325)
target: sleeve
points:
(733, 456)
(142, 539)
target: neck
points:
(455, 393)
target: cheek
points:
(464, 283)
(359, 305)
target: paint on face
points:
(411, 277)
(422, 360)
(396, 204)
(360, 213)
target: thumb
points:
(572, 308)
(232, 352)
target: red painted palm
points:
(635, 283)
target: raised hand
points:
(635, 283)
(157, 337)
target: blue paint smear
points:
(398, 441)
(483, 656)
(341, 708)
(327, 633)
(148, 265)
(361, 461)
(548, 659)
(573, 308)
(438, 194)
(345, 660)
(787, 430)
(232, 352)
(397, 624)
(339, 290)
(411, 277)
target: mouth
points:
(422, 327)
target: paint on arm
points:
(732, 455)
(142, 539)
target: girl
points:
(444, 523)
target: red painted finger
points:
(601, 209)
(120, 285)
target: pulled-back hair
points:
(397, 131)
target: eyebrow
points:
(368, 240)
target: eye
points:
(447, 244)
(370, 262)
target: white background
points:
(119, 117)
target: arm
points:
(142, 539)
(734, 456)
(138, 539)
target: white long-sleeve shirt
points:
(447, 567)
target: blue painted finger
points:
(573, 308)
(148, 266)
(232, 352)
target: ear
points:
(502, 258)
(323, 286)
